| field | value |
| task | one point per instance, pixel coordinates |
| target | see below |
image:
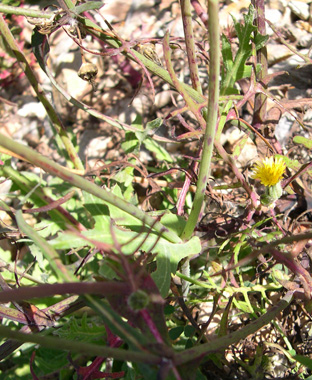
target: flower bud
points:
(138, 300)
(87, 71)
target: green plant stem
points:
(69, 3)
(190, 44)
(5, 31)
(81, 348)
(259, 114)
(214, 69)
(116, 324)
(191, 104)
(103, 288)
(225, 341)
(11, 268)
(228, 289)
(209, 136)
(178, 358)
(306, 59)
(28, 12)
(61, 172)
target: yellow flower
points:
(269, 171)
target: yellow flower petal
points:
(269, 171)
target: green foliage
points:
(143, 136)
(236, 68)
(12, 3)
(83, 329)
(125, 256)
(168, 254)
(304, 141)
(47, 360)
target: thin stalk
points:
(116, 324)
(306, 59)
(200, 11)
(213, 106)
(109, 288)
(56, 121)
(82, 347)
(193, 106)
(149, 64)
(190, 44)
(163, 74)
(223, 342)
(10, 267)
(69, 3)
(260, 111)
(28, 12)
(77, 181)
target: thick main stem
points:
(214, 69)
(212, 116)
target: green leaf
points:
(245, 71)
(137, 122)
(189, 331)
(131, 144)
(153, 124)
(260, 41)
(227, 53)
(48, 360)
(41, 48)
(169, 309)
(125, 176)
(116, 323)
(239, 146)
(160, 153)
(12, 3)
(291, 164)
(106, 271)
(168, 259)
(88, 6)
(174, 222)
(236, 68)
(175, 332)
(82, 330)
(303, 141)
(47, 228)
(97, 208)
(304, 360)
(37, 254)
(244, 31)
(189, 344)
(120, 217)
(168, 254)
